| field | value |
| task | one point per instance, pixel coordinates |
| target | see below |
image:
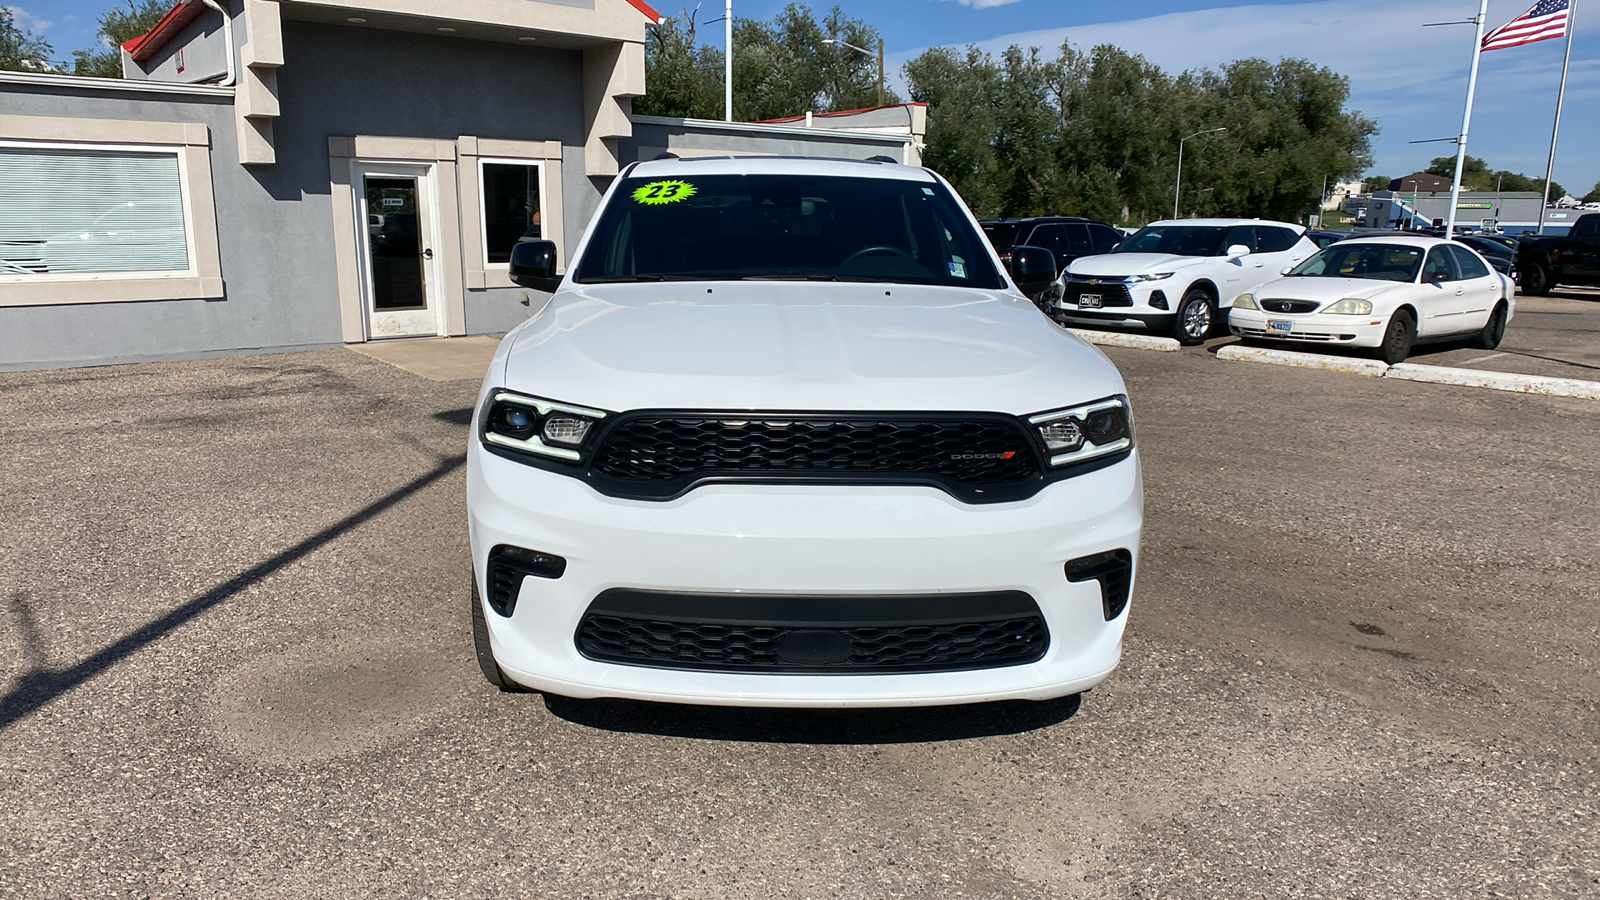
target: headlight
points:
(1086, 432)
(1245, 301)
(1135, 279)
(535, 425)
(1349, 306)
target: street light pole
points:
(727, 80)
(1177, 187)
(868, 53)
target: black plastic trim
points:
(507, 567)
(836, 635)
(1114, 572)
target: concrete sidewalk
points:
(437, 359)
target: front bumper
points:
(1148, 305)
(818, 540)
(1313, 328)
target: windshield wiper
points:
(620, 279)
(814, 276)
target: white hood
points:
(1125, 264)
(799, 346)
(1324, 290)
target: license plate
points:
(1088, 301)
(1282, 326)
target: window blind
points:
(70, 210)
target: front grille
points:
(1290, 306)
(665, 454)
(816, 635)
(1112, 293)
(1297, 335)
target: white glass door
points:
(398, 260)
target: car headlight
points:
(1349, 306)
(535, 425)
(1158, 276)
(1081, 433)
(1245, 301)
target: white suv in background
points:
(787, 435)
(1179, 277)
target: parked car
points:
(1178, 277)
(1544, 261)
(1324, 238)
(1383, 293)
(1066, 237)
(1501, 255)
(789, 418)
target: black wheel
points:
(1397, 338)
(480, 642)
(1493, 330)
(1195, 318)
(1536, 280)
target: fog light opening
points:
(509, 565)
(1114, 572)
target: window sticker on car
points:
(958, 269)
(658, 192)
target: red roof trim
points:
(842, 112)
(177, 18)
(647, 9)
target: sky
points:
(1411, 79)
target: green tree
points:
(117, 26)
(1479, 177)
(21, 51)
(1594, 194)
(780, 67)
(682, 80)
(1376, 183)
(962, 93)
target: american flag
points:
(1546, 20)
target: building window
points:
(90, 211)
(511, 207)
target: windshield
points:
(1382, 262)
(1179, 240)
(786, 227)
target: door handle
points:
(427, 253)
(1459, 292)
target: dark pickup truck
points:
(1546, 261)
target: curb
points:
(1134, 341)
(1494, 381)
(1497, 381)
(1369, 367)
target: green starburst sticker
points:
(658, 192)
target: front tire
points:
(1398, 338)
(1195, 319)
(1493, 330)
(480, 643)
(1536, 280)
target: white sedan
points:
(1385, 293)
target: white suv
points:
(1177, 277)
(787, 435)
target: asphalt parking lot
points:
(1362, 663)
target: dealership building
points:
(284, 174)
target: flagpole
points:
(1549, 166)
(1466, 119)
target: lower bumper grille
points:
(1111, 294)
(813, 635)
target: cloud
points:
(27, 21)
(1411, 79)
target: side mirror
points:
(533, 265)
(1238, 250)
(1033, 269)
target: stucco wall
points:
(350, 81)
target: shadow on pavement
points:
(40, 685)
(816, 726)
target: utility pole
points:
(1466, 119)
(1549, 166)
(1177, 186)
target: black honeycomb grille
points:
(813, 634)
(1111, 293)
(669, 448)
(759, 648)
